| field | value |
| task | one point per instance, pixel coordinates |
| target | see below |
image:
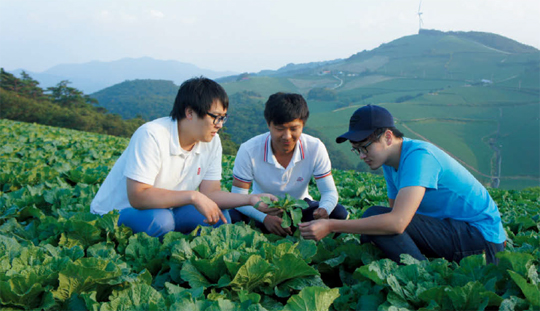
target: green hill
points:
(63, 106)
(475, 95)
(149, 99)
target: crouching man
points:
(154, 182)
(282, 161)
(437, 207)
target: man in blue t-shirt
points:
(437, 208)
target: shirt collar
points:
(267, 152)
(174, 144)
(299, 151)
(268, 155)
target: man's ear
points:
(388, 137)
(189, 113)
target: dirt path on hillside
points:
(340, 82)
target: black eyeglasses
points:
(217, 118)
(363, 149)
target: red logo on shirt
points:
(300, 179)
(199, 171)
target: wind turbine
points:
(420, 22)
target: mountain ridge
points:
(489, 40)
(96, 75)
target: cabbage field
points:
(55, 254)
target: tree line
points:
(22, 99)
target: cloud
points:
(156, 14)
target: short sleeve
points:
(322, 167)
(143, 157)
(243, 166)
(215, 167)
(419, 168)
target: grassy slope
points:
(262, 85)
(445, 67)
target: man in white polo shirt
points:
(283, 161)
(154, 182)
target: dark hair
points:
(397, 133)
(198, 94)
(285, 107)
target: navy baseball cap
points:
(365, 121)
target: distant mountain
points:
(96, 75)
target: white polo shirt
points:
(255, 163)
(154, 157)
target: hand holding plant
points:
(273, 225)
(263, 207)
(289, 206)
(315, 229)
(320, 213)
(256, 198)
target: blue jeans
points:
(339, 212)
(157, 222)
(432, 237)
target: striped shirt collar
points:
(268, 155)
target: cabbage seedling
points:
(290, 206)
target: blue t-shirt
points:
(451, 190)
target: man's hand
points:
(270, 210)
(208, 209)
(315, 229)
(263, 207)
(320, 213)
(273, 224)
(255, 198)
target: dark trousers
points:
(339, 212)
(432, 237)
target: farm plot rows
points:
(54, 254)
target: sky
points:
(238, 35)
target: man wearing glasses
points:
(437, 208)
(154, 182)
(282, 161)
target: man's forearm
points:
(248, 210)
(329, 194)
(226, 200)
(151, 198)
(375, 225)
